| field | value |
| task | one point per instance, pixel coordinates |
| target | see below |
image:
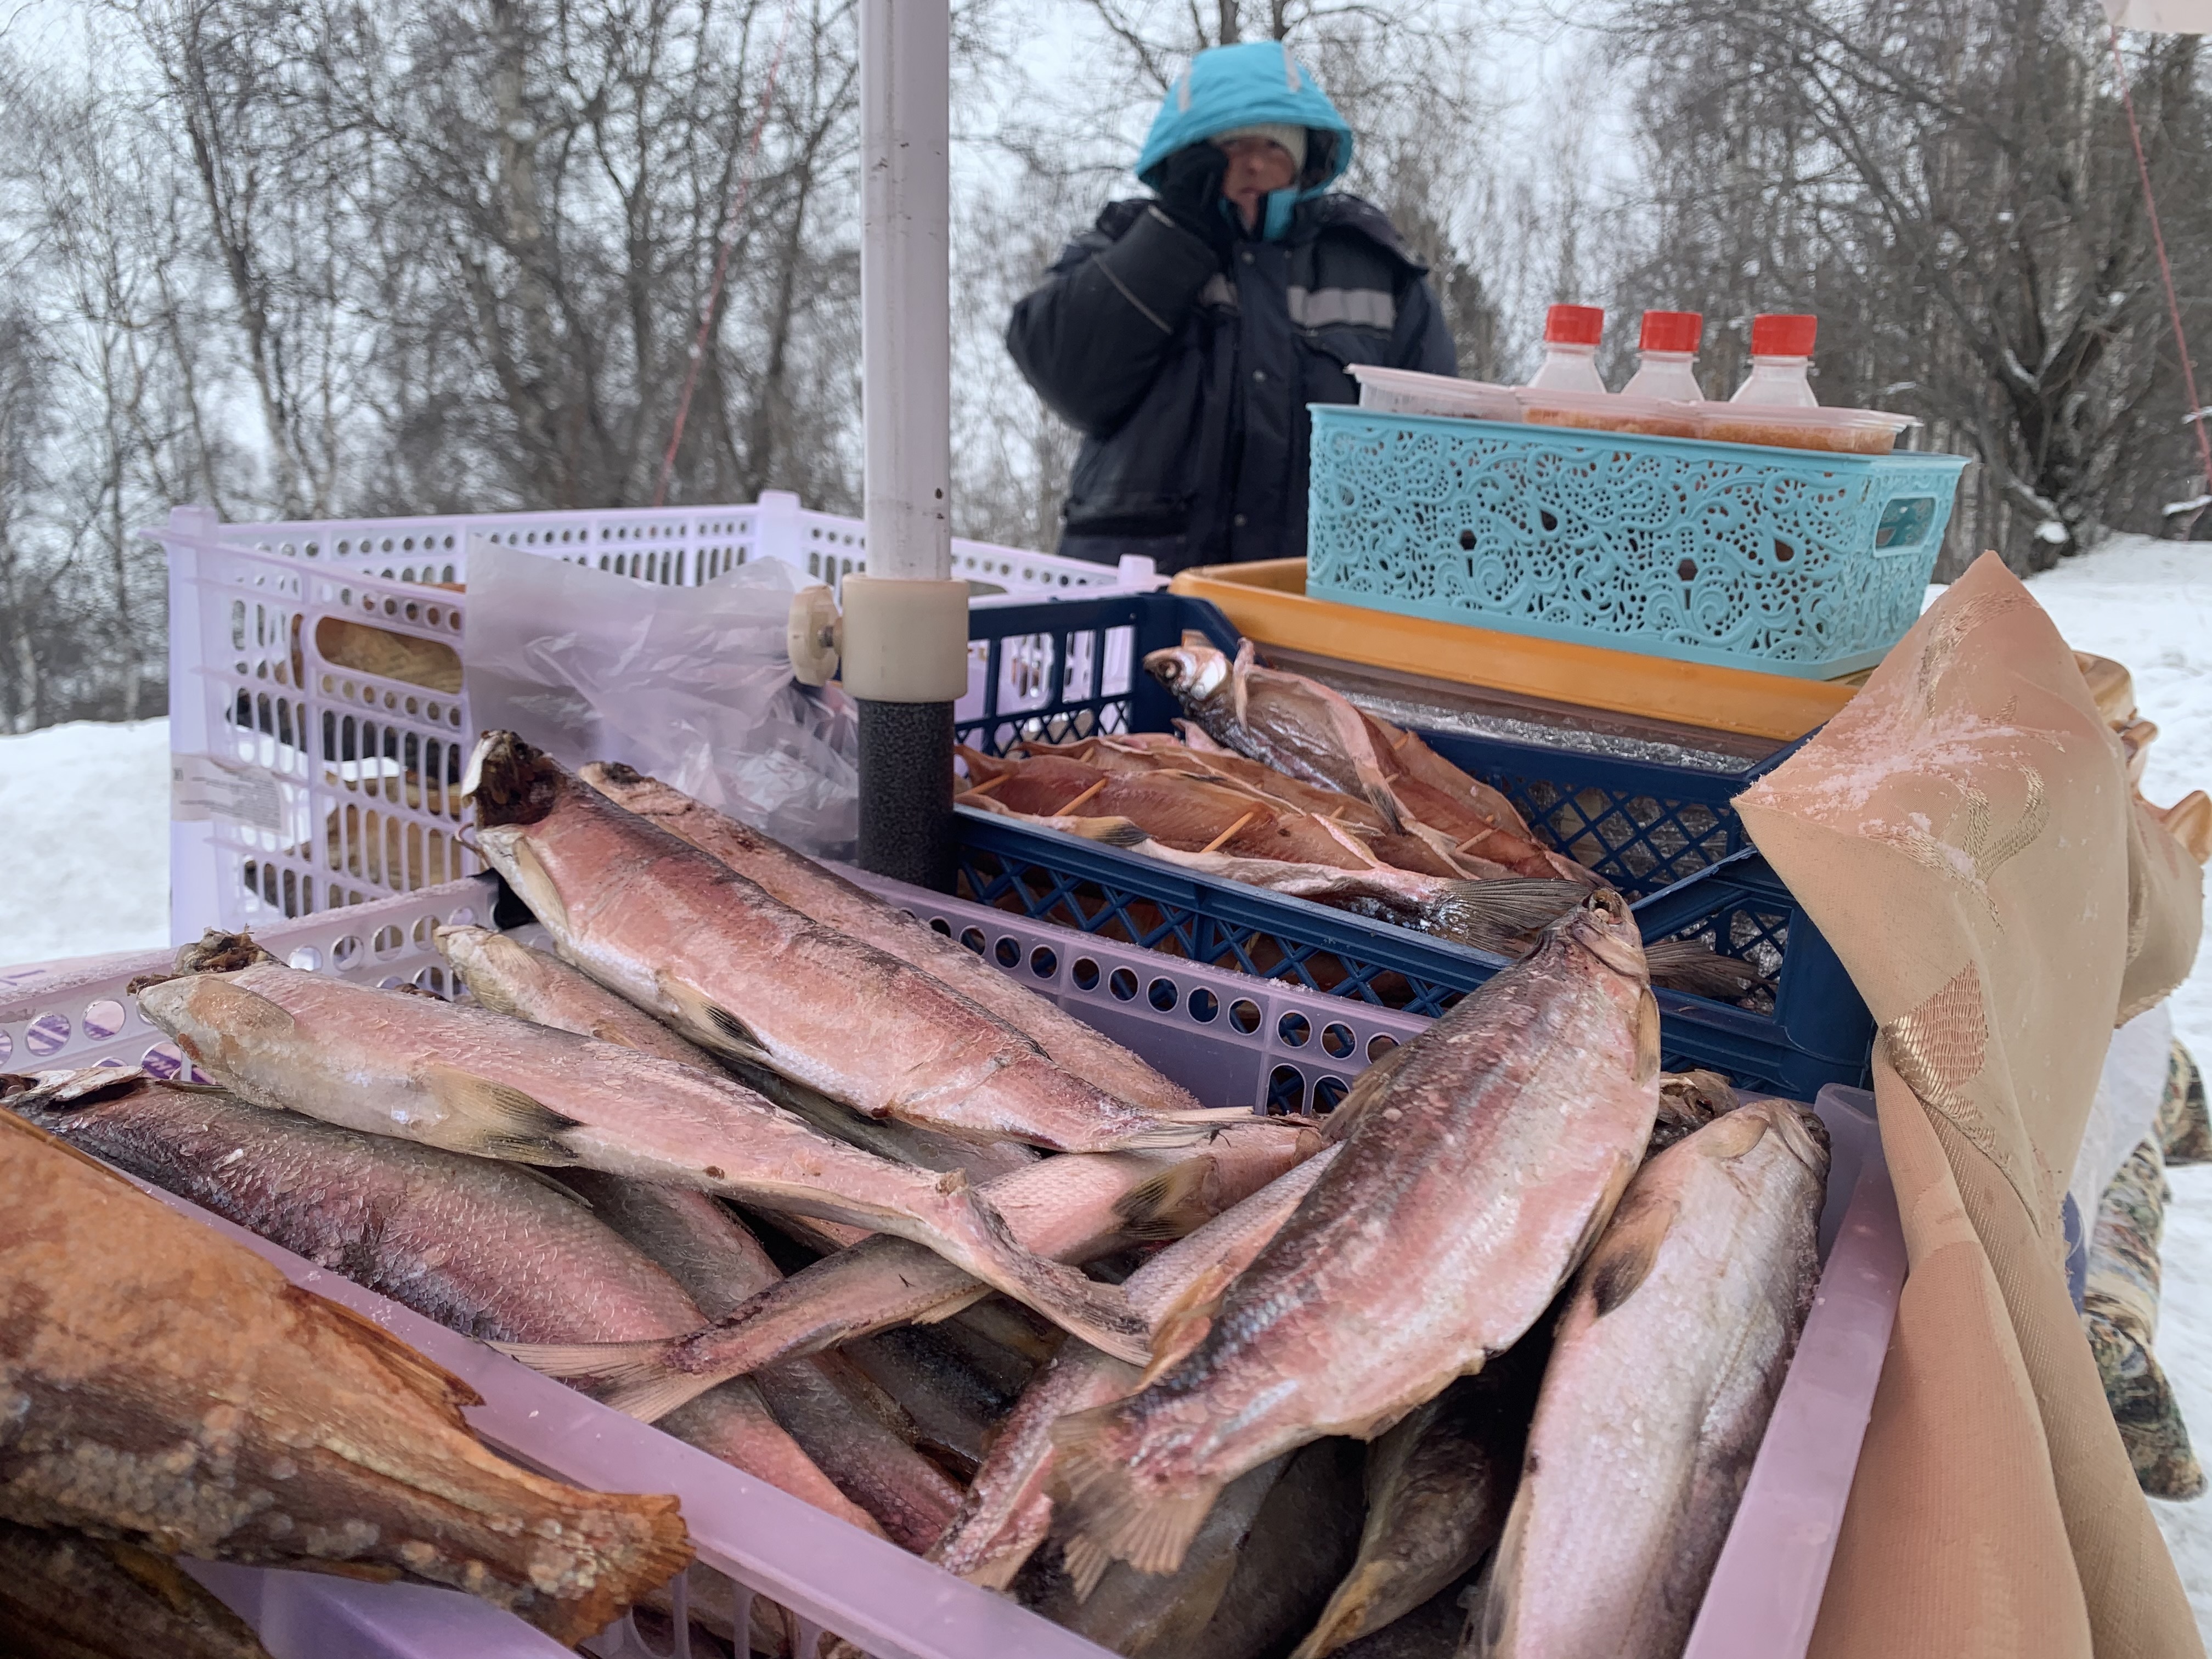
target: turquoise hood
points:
(1241, 86)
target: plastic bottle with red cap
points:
(1667, 356)
(1781, 354)
(1570, 337)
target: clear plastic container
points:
(1409, 391)
(1666, 357)
(1780, 356)
(1840, 431)
(1570, 337)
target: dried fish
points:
(492, 1086)
(1469, 1186)
(1666, 1362)
(681, 934)
(171, 1390)
(828, 898)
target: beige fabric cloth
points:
(1963, 834)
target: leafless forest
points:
(305, 258)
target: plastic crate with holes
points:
(1661, 832)
(1236, 1040)
(319, 720)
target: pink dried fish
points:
(828, 898)
(1065, 1208)
(1666, 1366)
(1472, 1181)
(681, 934)
(481, 1083)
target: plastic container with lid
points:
(1570, 337)
(1781, 354)
(1409, 391)
(1667, 356)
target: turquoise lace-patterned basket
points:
(1784, 561)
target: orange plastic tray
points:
(1266, 600)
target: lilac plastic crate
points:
(1281, 1047)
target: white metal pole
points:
(905, 640)
(905, 293)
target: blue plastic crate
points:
(1783, 560)
(1665, 835)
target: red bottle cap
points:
(1671, 330)
(1574, 325)
(1782, 334)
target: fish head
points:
(1603, 925)
(509, 782)
(1799, 1128)
(217, 1023)
(1195, 673)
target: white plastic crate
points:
(301, 784)
(1235, 1040)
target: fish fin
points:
(1107, 832)
(634, 1378)
(1647, 1037)
(1729, 1137)
(1085, 1564)
(236, 1011)
(721, 1029)
(1170, 1205)
(1240, 681)
(1506, 907)
(496, 1119)
(1692, 965)
(1626, 1254)
(1105, 1507)
(951, 1305)
(1178, 1333)
(1384, 800)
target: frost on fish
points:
(828, 898)
(683, 935)
(1665, 1367)
(1468, 1186)
(472, 1081)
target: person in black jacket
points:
(1184, 336)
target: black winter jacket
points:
(1189, 384)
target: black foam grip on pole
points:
(905, 792)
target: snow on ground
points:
(84, 811)
(84, 841)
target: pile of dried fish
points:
(1280, 783)
(754, 1156)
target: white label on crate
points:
(203, 787)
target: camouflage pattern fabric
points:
(2183, 1129)
(2120, 1314)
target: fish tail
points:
(1109, 1517)
(1346, 1619)
(637, 1378)
(1086, 1564)
(980, 1242)
(1384, 800)
(1170, 1205)
(1107, 832)
(1492, 912)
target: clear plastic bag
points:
(691, 684)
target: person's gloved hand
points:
(1190, 194)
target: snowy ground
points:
(84, 809)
